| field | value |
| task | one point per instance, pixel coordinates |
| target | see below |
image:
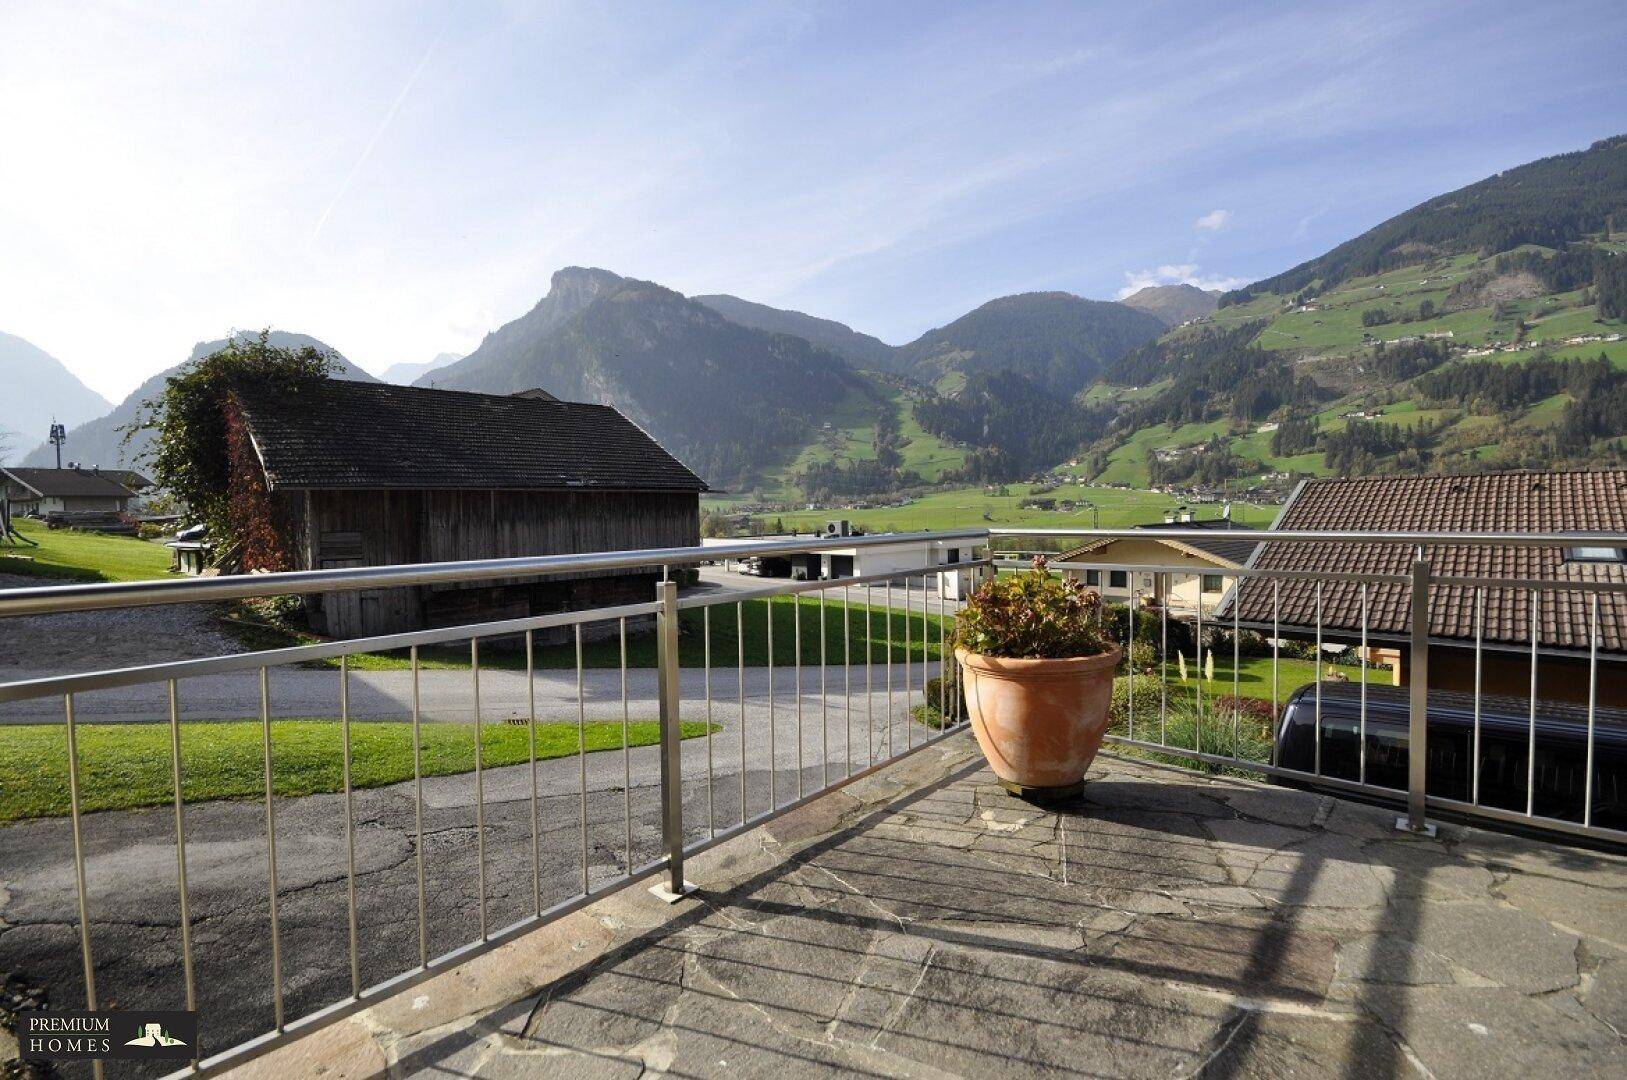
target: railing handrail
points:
(1426, 538)
(49, 599)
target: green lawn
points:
(725, 638)
(1254, 678)
(123, 766)
(83, 556)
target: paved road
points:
(130, 856)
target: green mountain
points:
(1550, 203)
(1173, 305)
(860, 350)
(728, 400)
(39, 389)
(101, 442)
(1056, 340)
(1445, 338)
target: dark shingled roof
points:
(69, 483)
(1592, 500)
(341, 434)
(1223, 547)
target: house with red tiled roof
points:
(1477, 605)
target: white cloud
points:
(1214, 220)
(1176, 274)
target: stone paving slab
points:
(923, 923)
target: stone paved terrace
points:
(923, 923)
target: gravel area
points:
(38, 645)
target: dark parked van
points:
(1505, 732)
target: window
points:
(1118, 579)
(1093, 577)
(1595, 555)
(1213, 583)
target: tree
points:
(189, 455)
(7, 443)
(715, 524)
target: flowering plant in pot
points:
(1039, 678)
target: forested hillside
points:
(1550, 202)
(727, 399)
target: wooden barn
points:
(345, 473)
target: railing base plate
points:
(1403, 825)
(664, 892)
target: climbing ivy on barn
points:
(189, 453)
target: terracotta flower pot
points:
(1039, 722)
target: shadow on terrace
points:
(923, 922)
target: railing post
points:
(1418, 708)
(672, 777)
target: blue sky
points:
(398, 179)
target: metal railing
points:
(1424, 590)
(859, 727)
(900, 659)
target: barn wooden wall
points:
(376, 528)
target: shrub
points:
(1248, 708)
(1141, 659)
(1032, 616)
(1178, 725)
(942, 690)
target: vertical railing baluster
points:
(888, 600)
(824, 702)
(773, 748)
(926, 648)
(740, 645)
(869, 688)
(1361, 722)
(350, 827)
(1130, 666)
(1592, 710)
(271, 853)
(180, 851)
(847, 684)
(1163, 659)
(1197, 722)
(1479, 640)
(909, 689)
(626, 753)
(1237, 659)
(79, 864)
(711, 729)
(1531, 738)
(531, 747)
(1418, 702)
(672, 775)
(1316, 675)
(796, 633)
(582, 753)
(1276, 654)
(943, 656)
(480, 787)
(418, 811)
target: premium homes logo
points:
(122, 1033)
